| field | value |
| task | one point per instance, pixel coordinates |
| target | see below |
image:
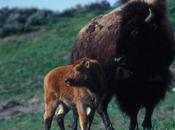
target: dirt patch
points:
(13, 109)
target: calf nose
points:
(68, 80)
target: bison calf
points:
(75, 87)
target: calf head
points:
(87, 73)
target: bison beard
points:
(140, 33)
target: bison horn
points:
(148, 18)
(119, 59)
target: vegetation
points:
(26, 58)
(13, 21)
(17, 21)
(172, 11)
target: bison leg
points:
(133, 120)
(75, 119)
(147, 123)
(60, 113)
(102, 110)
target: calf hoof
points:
(133, 128)
(74, 129)
(110, 128)
(144, 128)
(147, 126)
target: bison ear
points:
(82, 62)
(87, 64)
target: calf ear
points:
(87, 64)
(82, 62)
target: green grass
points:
(163, 119)
(172, 12)
(25, 59)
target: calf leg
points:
(147, 123)
(75, 119)
(90, 118)
(83, 116)
(50, 108)
(102, 110)
(60, 113)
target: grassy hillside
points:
(25, 59)
(172, 12)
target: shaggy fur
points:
(140, 33)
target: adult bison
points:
(140, 35)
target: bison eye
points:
(87, 65)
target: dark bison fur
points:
(139, 32)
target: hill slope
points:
(26, 58)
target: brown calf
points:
(75, 87)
